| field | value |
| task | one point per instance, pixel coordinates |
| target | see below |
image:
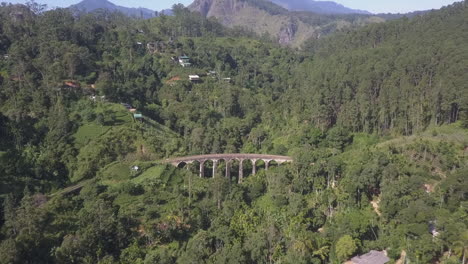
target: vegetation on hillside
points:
(375, 119)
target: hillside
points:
(284, 27)
(374, 118)
(370, 78)
(91, 5)
(321, 7)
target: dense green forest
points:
(375, 118)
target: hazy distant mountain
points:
(321, 7)
(91, 5)
(167, 12)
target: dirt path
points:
(402, 258)
(375, 204)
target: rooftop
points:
(72, 84)
(373, 257)
(173, 80)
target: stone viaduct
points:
(228, 158)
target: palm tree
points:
(461, 246)
(312, 244)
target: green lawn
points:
(91, 130)
(122, 116)
(453, 133)
(118, 175)
(153, 172)
(121, 172)
(117, 171)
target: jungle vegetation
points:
(376, 120)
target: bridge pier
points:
(202, 168)
(254, 169)
(241, 171)
(215, 163)
(267, 163)
(228, 169)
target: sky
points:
(374, 6)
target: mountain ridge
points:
(91, 5)
(320, 7)
(286, 27)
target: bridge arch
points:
(180, 165)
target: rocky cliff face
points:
(263, 16)
(245, 13)
(204, 7)
(288, 33)
(221, 9)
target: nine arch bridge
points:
(228, 159)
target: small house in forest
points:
(138, 116)
(373, 257)
(194, 78)
(433, 229)
(184, 61)
(96, 98)
(212, 74)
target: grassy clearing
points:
(117, 171)
(151, 173)
(122, 116)
(163, 130)
(91, 130)
(121, 172)
(362, 140)
(452, 133)
(363, 143)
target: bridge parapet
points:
(227, 158)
